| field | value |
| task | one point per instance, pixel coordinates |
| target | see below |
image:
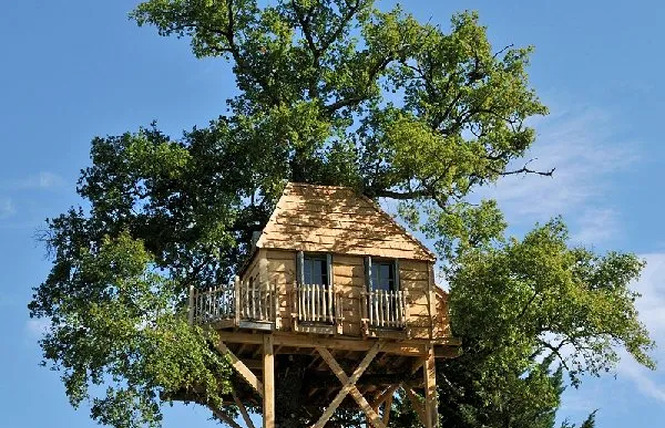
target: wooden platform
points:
(308, 366)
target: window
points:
(316, 270)
(382, 274)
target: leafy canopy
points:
(329, 92)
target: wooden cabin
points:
(334, 279)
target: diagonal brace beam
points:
(416, 405)
(388, 392)
(349, 387)
(243, 410)
(384, 396)
(241, 368)
(226, 419)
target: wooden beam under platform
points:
(289, 340)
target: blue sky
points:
(74, 69)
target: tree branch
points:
(356, 99)
(345, 20)
(414, 194)
(505, 48)
(526, 170)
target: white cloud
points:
(644, 380)
(652, 287)
(596, 225)
(651, 307)
(7, 208)
(37, 327)
(581, 146)
(41, 180)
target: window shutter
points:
(300, 267)
(368, 273)
(330, 269)
(396, 268)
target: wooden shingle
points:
(337, 220)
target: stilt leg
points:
(268, 382)
(429, 373)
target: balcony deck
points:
(309, 308)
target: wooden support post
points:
(241, 368)
(268, 382)
(243, 410)
(350, 387)
(429, 374)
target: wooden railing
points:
(241, 301)
(257, 302)
(385, 308)
(211, 305)
(317, 303)
(312, 303)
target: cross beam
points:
(349, 387)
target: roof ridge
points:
(320, 186)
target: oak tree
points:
(330, 92)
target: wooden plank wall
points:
(253, 270)
(414, 278)
(349, 279)
(442, 321)
(282, 272)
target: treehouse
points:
(333, 284)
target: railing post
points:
(236, 303)
(331, 306)
(209, 305)
(190, 315)
(299, 301)
(275, 296)
(370, 304)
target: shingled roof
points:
(337, 220)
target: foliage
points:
(330, 92)
(529, 312)
(113, 323)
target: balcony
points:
(309, 308)
(385, 309)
